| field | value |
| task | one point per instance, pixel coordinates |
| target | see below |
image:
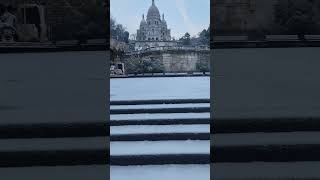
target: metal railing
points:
(169, 48)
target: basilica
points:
(153, 31)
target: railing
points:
(169, 48)
(167, 74)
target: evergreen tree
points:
(186, 39)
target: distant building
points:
(153, 30)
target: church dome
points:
(153, 12)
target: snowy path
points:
(160, 88)
(159, 116)
(167, 172)
(149, 106)
(159, 147)
(159, 129)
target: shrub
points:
(140, 66)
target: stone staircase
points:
(266, 148)
(160, 132)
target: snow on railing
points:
(168, 48)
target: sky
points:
(181, 15)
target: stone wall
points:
(178, 61)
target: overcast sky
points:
(181, 15)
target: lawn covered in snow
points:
(160, 88)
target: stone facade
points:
(153, 30)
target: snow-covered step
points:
(278, 138)
(159, 147)
(161, 137)
(78, 172)
(53, 151)
(269, 147)
(160, 121)
(154, 129)
(53, 144)
(158, 116)
(266, 124)
(267, 170)
(25, 129)
(152, 106)
(159, 159)
(161, 110)
(161, 172)
(158, 101)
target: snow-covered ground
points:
(159, 116)
(160, 88)
(155, 129)
(159, 147)
(163, 172)
(151, 106)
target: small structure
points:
(117, 69)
